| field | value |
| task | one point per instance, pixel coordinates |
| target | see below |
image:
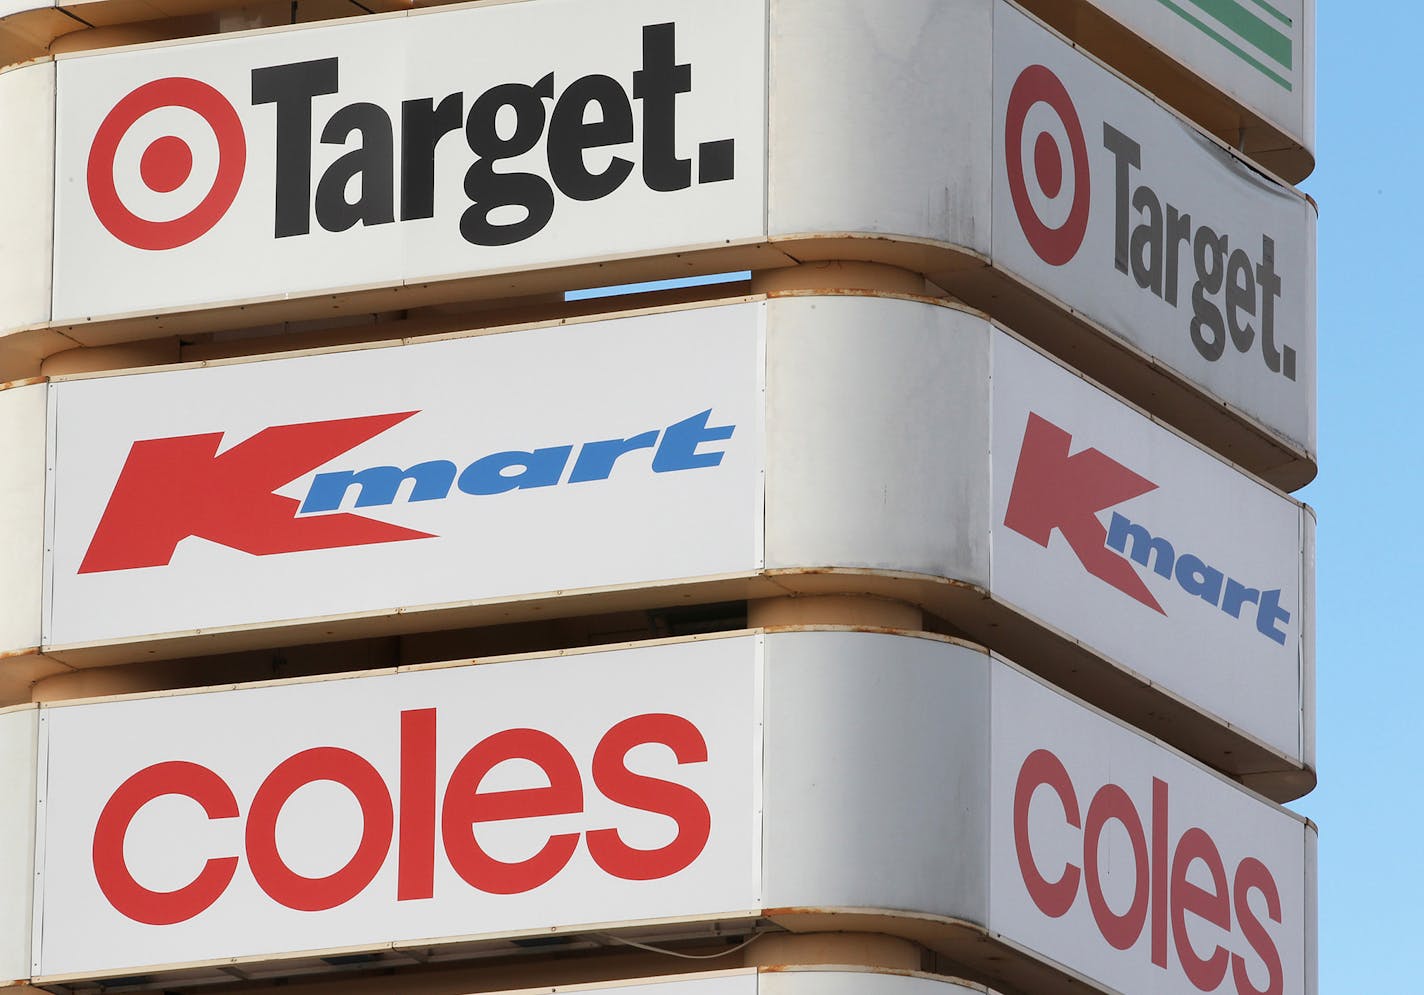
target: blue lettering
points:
(541, 468)
(1197, 578)
(596, 459)
(1143, 545)
(680, 442)
(511, 470)
(1269, 614)
(1238, 594)
(379, 485)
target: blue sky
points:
(1367, 181)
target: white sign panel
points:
(1155, 553)
(427, 147)
(9, 7)
(1130, 216)
(410, 148)
(19, 770)
(22, 502)
(26, 197)
(676, 781)
(500, 798)
(1133, 866)
(1258, 51)
(631, 452)
(444, 472)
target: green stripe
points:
(1249, 28)
(1273, 12)
(1227, 44)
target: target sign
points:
(166, 163)
(1042, 136)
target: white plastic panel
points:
(1262, 53)
(542, 460)
(879, 119)
(1134, 866)
(27, 108)
(1150, 550)
(9, 7)
(1128, 214)
(876, 748)
(1311, 967)
(19, 768)
(1307, 648)
(888, 446)
(810, 770)
(504, 798)
(877, 436)
(886, 122)
(22, 515)
(276, 125)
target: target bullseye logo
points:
(166, 166)
(1052, 209)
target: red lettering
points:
(415, 859)
(1161, 846)
(1053, 490)
(1213, 906)
(273, 876)
(1111, 804)
(1053, 898)
(161, 908)
(676, 801)
(1252, 875)
(466, 806)
(170, 489)
(1162, 893)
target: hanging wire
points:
(675, 953)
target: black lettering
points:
(1240, 297)
(571, 134)
(1127, 154)
(717, 161)
(1209, 253)
(1146, 245)
(1270, 285)
(291, 87)
(1179, 233)
(423, 124)
(371, 164)
(657, 85)
(490, 191)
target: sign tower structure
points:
(925, 614)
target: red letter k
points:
(170, 489)
(1053, 490)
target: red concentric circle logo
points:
(166, 164)
(1054, 219)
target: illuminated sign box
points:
(369, 164)
(624, 787)
(727, 452)
(1246, 68)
